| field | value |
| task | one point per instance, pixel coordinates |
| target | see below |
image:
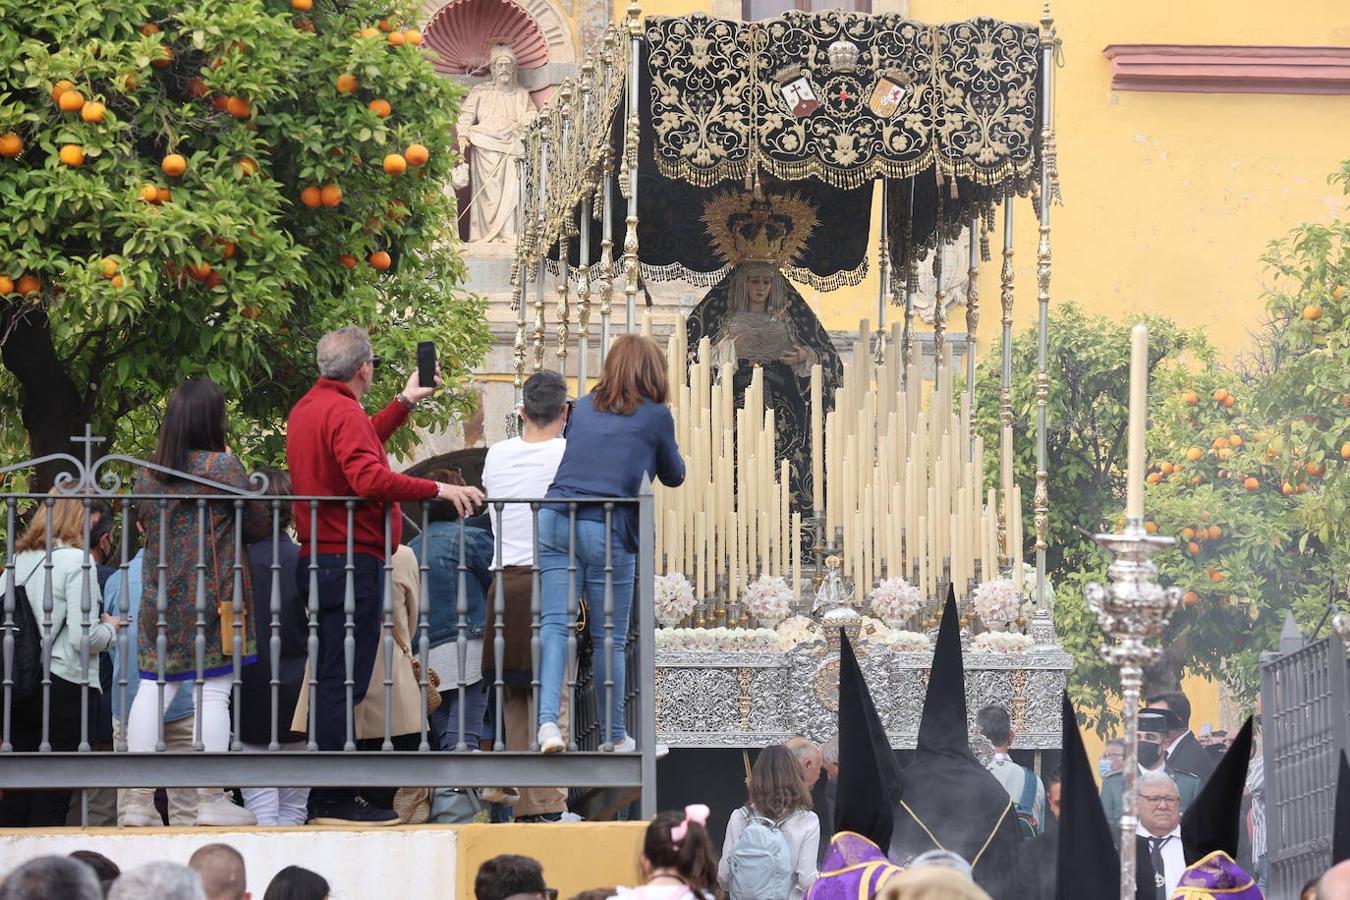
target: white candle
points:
(817, 441)
(1134, 504)
(795, 547)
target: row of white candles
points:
(902, 478)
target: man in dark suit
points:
(1181, 750)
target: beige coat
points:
(406, 710)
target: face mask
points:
(1148, 754)
(1103, 767)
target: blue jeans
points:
(445, 720)
(555, 621)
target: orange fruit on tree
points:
(1190, 398)
(237, 107)
(70, 101)
(131, 82)
(1286, 489)
(368, 32)
(1151, 527)
(1194, 454)
(200, 271)
(219, 102)
(1215, 576)
(1227, 402)
(149, 28)
(417, 155)
(248, 166)
(1187, 533)
(1345, 450)
(380, 108)
(1224, 453)
(302, 5)
(1235, 440)
(1316, 469)
(1215, 532)
(72, 155)
(346, 83)
(380, 260)
(1219, 443)
(251, 312)
(348, 260)
(1302, 488)
(212, 280)
(1166, 468)
(396, 39)
(109, 266)
(11, 145)
(1220, 394)
(330, 195)
(1154, 478)
(1193, 548)
(1190, 598)
(28, 284)
(197, 88)
(1338, 292)
(6, 285)
(117, 282)
(413, 36)
(93, 111)
(165, 57)
(395, 164)
(1251, 484)
(60, 88)
(386, 25)
(174, 165)
(312, 197)
(1196, 479)
(163, 195)
(227, 249)
(1312, 312)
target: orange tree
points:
(203, 189)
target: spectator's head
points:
(443, 510)
(1176, 703)
(193, 420)
(66, 515)
(544, 404)
(279, 485)
(677, 843)
(776, 784)
(509, 875)
(1159, 803)
(829, 757)
(995, 724)
(221, 868)
(634, 370)
(345, 355)
(106, 870)
(297, 883)
(595, 894)
(101, 524)
(1334, 883)
(51, 878)
(1113, 757)
(1052, 792)
(158, 881)
(932, 883)
(808, 757)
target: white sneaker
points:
(140, 811)
(628, 745)
(550, 738)
(216, 808)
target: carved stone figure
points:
(494, 116)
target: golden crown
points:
(771, 229)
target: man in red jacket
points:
(333, 449)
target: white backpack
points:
(761, 862)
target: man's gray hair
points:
(803, 748)
(158, 881)
(830, 750)
(1158, 778)
(51, 878)
(221, 868)
(342, 352)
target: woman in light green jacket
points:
(57, 576)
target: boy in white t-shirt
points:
(523, 467)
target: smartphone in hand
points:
(426, 364)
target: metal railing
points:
(1305, 709)
(100, 486)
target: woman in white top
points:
(778, 794)
(61, 574)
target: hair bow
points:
(694, 812)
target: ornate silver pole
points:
(1006, 286)
(1133, 609)
(541, 239)
(629, 166)
(972, 314)
(883, 282)
(1041, 619)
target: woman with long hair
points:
(57, 565)
(780, 799)
(677, 859)
(198, 572)
(297, 883)
(617, 434)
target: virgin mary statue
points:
(754, 318)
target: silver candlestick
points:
(1133, 609)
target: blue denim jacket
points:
(439, 549)
(181, 707)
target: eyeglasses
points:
(1160, 800)
(1118, 754)
(374, 362)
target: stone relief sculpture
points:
(495, 115)
(955, 277)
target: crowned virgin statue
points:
(755, 319)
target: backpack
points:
(761, 863)
(25, 663)
(1026, 806)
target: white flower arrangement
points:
(674, 599)
(874, 630)
(768, 599)
(895, 600)
(908, 641)
(719, 640)
(797, 630)
(1002, 642)
(997, 602)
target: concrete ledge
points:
(1229, 69)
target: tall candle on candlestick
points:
(817, 441)
(1134, 503)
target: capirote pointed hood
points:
(943, 727)
(1214, 819)
(1340, 826)
(1088, 864)
(869, 779)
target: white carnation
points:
(674, 599)
(768, 599)
(895, 601)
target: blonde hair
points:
(932, 883)
(67, 519)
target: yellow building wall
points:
(575, 855)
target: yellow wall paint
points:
(575, 855)
(1170, 198)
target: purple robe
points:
(853, 868)
(1216, 876)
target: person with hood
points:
(948, 800)
(1154, 724)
